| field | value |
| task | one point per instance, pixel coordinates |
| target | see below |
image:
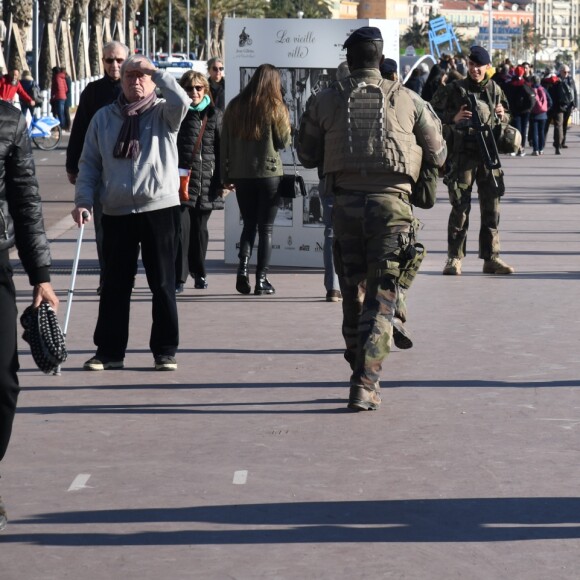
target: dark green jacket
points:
(241, 159)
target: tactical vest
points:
(369, 138)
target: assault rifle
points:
(485, 139)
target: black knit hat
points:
(479, 55)
(363, 34)
(43, 334)
(388, 66)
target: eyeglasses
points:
(217, 68)
(112, 60)
(198, 88)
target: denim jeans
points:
(330, 276)
(538, 135)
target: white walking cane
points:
(73, 278)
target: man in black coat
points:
(21, 224)
(97, 94)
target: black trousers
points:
(258, 202)
(9, 387)
(193, 242)
(157, 233)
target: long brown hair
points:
(258, 105)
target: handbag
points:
(183, 191)
(292, 184)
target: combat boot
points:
(362, 399)
(401, 336)
(496, 265)
(452, 267)
(242, 279)
(263, 285)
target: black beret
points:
(363, 34)
(388, 66)
(479, 55)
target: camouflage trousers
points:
(370, 231)
(465, 171)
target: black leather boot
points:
(263, 285)
(243, 279)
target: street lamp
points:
(207, 32)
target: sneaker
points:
(165, 363)
(542, 152)
(564, 146)
(521, 153)
(535, 153)
(497, 266)
(179, 289)
(401, 336)
(362, 399)
(101, 363)
(452, 267)
(3, 516)
(334, 296)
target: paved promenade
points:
(245, 462)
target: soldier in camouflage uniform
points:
(466, 165)
(370, 136)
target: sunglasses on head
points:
(216, 68)
(198, 88)
(112, 60)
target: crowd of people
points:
(151, 158)
(537, 99)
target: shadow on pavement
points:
(429, 520)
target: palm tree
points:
(49, 11)
(416, 36)
(309, 9)
(21, 13)
(219, 10)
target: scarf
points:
(127, 145)
(203, 104)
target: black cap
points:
(388, 66)
(479, 55)
(363, 34)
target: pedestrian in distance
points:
(371, 172)
(467, 164)
(539, 116)
(568, 81)
(562, 103)
(58, 93)
(130, 160)
(21, 225)
(256, 127)
(32, 90)
(521, 99)
(389, 69)
(96, 94)
(200, 187)
(217, 82)
(10, 88)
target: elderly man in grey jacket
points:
(129, 160)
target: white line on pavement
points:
(79, 482)
(240, 477)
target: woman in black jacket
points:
(201, 190)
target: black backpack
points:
(527, 99)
